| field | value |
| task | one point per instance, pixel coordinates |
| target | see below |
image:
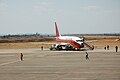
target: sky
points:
(72, 16)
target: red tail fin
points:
(57, 32)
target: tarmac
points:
(59, 65)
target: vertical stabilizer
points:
(57, 32)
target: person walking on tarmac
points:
(105, 47)
(41, 47)
(21, 56)
(116, 48)
(108, 47)
(87, 57)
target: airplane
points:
(74, 41)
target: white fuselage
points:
(74, 41)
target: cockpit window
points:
(79, 40)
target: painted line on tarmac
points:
(3, 64)
(6, 55)
(75, 78)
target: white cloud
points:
(43, 7)
(3, 4)
(91, 8)
(46, 3)
(3, 7)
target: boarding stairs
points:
(87, 45)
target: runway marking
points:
(76, 78)
(6, 55)
(44, 72)
(8, 63)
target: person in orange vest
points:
(21, 56)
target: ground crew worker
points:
(107, 47)
(21, 56)
(41, 47)
(87, 57)
(116, 47)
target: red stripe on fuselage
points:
(73, 43)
